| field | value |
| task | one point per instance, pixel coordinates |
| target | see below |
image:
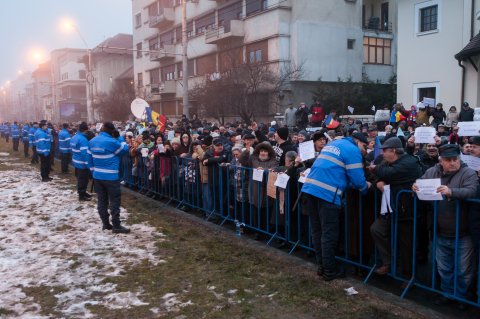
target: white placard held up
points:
(471, 161)
(428, 189)
(304, 175)
(468, 128)
(144, 151)
(313, 129)
(385, 207)
(161, 148)
(282, 180)
(306, 150)
(380, 134)
(425, 135)
(171, 135)
(257, 175)
(382, 116)
(98, 127)
(428, 102)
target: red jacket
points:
(318, 114)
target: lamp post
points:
(89, 76)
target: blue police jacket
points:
(338, 166)
(31, 135)
(7, 129)
(79, 146)
(64, 138)
(43, 141)
(25, 133)
(14, 131)
(3, 128)
(104, 159)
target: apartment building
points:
(69, 95)
(42, 95)
(332, 39)
(430, 34)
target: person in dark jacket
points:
(466, 114)
(399, 171)
(458, 182)
(302, 116)
(439, 115)
(283, 145)
(213, 159)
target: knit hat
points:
(283, 133)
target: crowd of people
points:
(206, 161)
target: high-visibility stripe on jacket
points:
(43, 141)
(104, 156)
(64, 138)
(25, 133)
(79, 147)
(31, 135)
(14, 131)
(336, 168)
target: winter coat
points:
(466, 115)
(282, 149)
(43, 141)
(451, 117)
(423, 116)
(79, 147)
(439, 116)
(290, 118)
(463, 184)
(104, 159)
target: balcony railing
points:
(164, 19)
(232, 29)
(165, 53)
(168, 87)
(374, 24)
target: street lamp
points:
(69, 25)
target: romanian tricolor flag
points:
(161, 121)
(331, 123)
(396, 117)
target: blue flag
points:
(376, 149)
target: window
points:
(427, 92)
(64, 76)
(254, 6)
(226, 14)
(166, 38)
(168, 73)
(428, 18)
(205, 23)
(257, 52)
(206, 64)
(139, 50)
(153, 9)
(138, 20)
(82, 74)
(190, 29)
(350, 44)
(190, 69)
(376, 50)
(140, 80)
(153, 44)
(154, 76)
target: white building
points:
(42, 95)
(333, 39)
(430, 34)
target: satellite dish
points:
(138, 107)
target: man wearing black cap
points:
(283, 145)
(458, 182)
(398, 170)
(212, 159)
(466, 114)
(79, 147)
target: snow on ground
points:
(48, 238)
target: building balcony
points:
(233, 29)
(162, 20)
(164, 54)
(374, 24)
(168, 87)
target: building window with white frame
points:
(139, 50)
(428, 18)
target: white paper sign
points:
(471, 161)
(303, 176)
(313, 129)
(258, 175)
(386, 208)
(144, 152)
(282, 180)
(428, 189)
(306, 150)
(161, 148)
(468, 128)
(382, 116)
(428, 102)
(171, 135)
(98, 127)
(425, 135)
(382, 134)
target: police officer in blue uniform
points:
(31, 139)
(64, 138)
(43, 143)
(15, 133)
(105, 151)
(25, 139)
(79, 147)
(338, 167)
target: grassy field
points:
(210, 273)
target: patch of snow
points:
(232, 291)
(211, 287)
(4, 154)
(173, 304)
(48, 238)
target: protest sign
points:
(428, 189)
(258, 175)
(382, 116)
(282, 180)
(425, 135)
(271, 188)
(306, 150)
(471, 161)
(468, 128)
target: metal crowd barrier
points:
(228, 194)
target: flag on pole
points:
(161, 121)
(400, 132)
(331, 123)
(376, 149)
(350, 109)
(396, 117)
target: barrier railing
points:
(229, 193)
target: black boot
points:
(107, 226)
(84, 198)
(87, 195)
(329, 275)
(119, 229)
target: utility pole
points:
(185, 59)
(90, 79)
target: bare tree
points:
(115, 106)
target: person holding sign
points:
(339, 165)
(457, 182)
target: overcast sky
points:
(26, 25)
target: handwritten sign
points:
(258, 175)
(282, 180)
(428, 102)
(468, 128)
(425, 135)
(382, 116)
(471, 161)
(428, 189)
(304, 175)
(306, 150)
